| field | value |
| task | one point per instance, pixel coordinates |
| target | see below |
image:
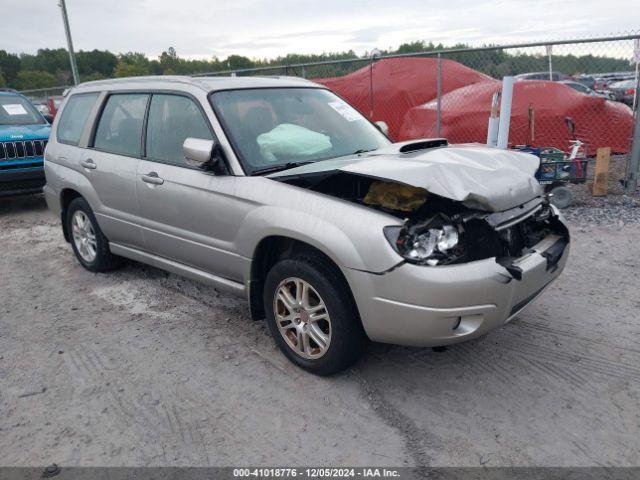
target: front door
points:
(188, 215)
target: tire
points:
(344, 338)
(102, 259)
(562, 197)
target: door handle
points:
(88, 164)
(152, 178)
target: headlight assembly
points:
(433, 242)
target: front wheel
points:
(312, 316)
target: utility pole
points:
(72, 55)
(439, 96)
(374, 53)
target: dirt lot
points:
(140, 367)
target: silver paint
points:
(208, 227)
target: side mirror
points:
(204, 154)
(197, 151)
(382, 126)
(48, 117)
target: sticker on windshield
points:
(14, 109)
(347, 111)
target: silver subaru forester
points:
(278, 190)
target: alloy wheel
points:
(84, 236)
(302, 318)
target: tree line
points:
(50, 67)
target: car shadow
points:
(22, 204)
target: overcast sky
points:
(268, 28)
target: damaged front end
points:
(440, 231)
(463, 235)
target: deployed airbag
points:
(288, 140)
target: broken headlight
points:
(432, 242)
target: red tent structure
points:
(465, 112)
(399, 84)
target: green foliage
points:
(95, 62)
(3, 82)
(124, 69)
(50, 67)
(32, 79)
(498, 63)
(420, 46)
(94, 76)
(169, 61)
(238, 62)
(46, 60)
(10, 66)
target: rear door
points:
(111, 164)
(189, 215)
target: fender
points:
(318, 232)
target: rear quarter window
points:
(74, 117)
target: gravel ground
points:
(139, 367)
(615, 209)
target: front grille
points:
(22, 149)
(519, 238)
(497, 235)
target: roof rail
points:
(144, 78)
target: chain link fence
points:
(47, 100)
(583, 89)
(566, 90)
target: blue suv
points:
(23, 137)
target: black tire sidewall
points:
(102, 247)
(347, 336)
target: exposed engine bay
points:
(441, 231)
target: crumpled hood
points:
(24, 132)
(480, 177)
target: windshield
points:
(16, 110)
(277, 128)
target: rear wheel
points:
(89, 244)
(311, 315)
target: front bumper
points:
(433, 306)
(21, 181)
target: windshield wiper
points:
(279, 168)
(363, 150)
(287, 166)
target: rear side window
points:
(120, 126)
(74, 116)
(172, 119)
